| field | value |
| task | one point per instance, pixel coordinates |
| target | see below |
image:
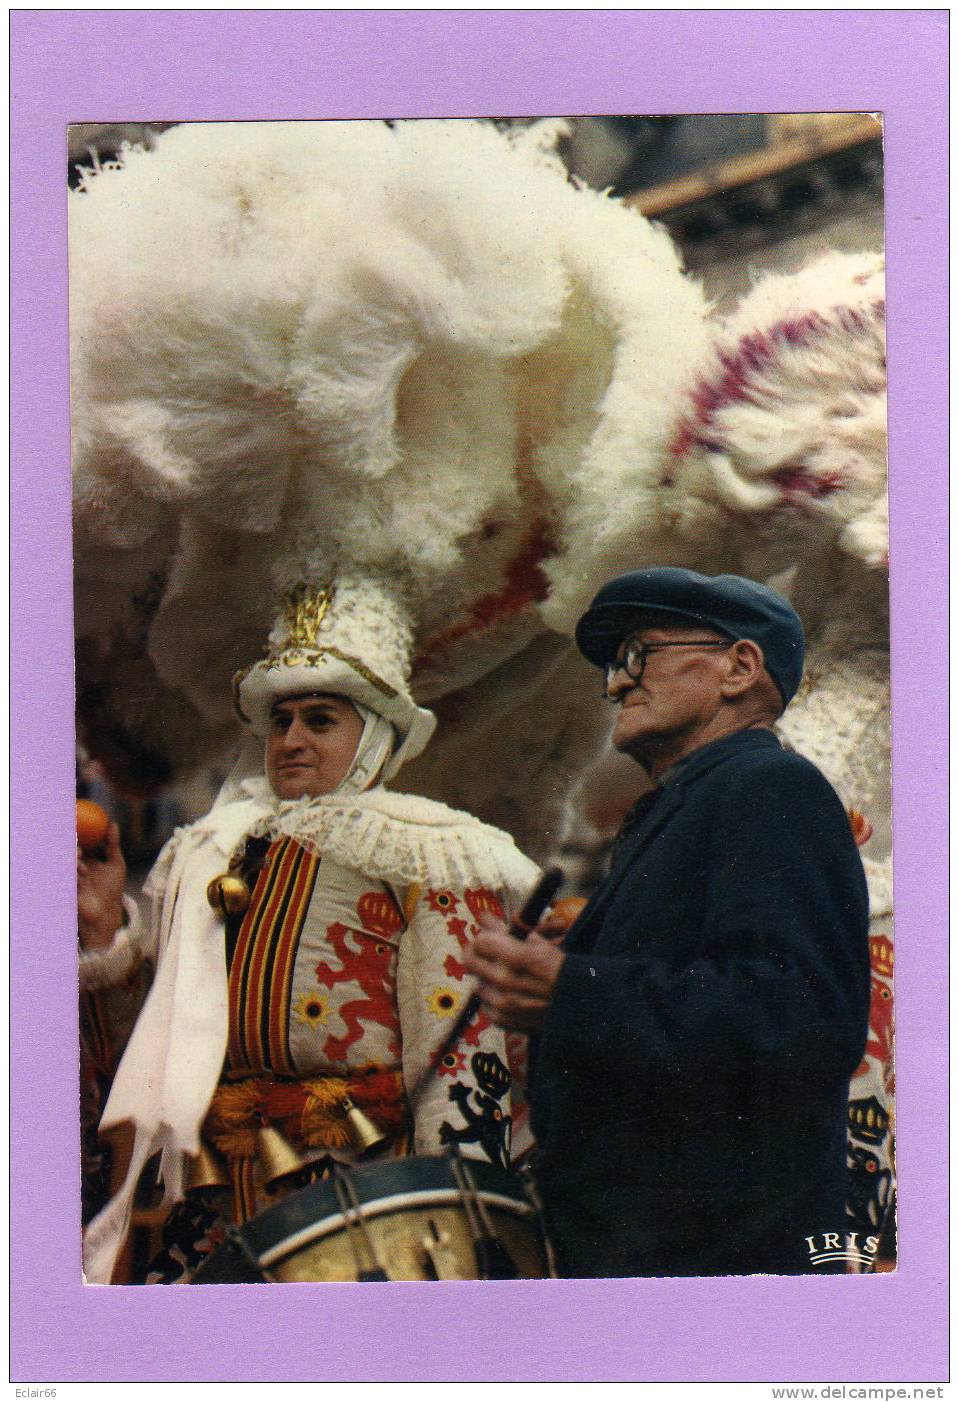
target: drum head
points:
(403, 1219)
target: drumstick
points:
(520, 926)
(537, 902)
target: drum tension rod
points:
(492, 1258)
(356, 1227)
(528, 1182)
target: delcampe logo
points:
(831, 1246)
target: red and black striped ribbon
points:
(261, 969)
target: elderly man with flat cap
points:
(696, 1032)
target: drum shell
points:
(404, 1202)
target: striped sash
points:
(261, 969)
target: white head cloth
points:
(374, 761)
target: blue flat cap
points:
(738, 607)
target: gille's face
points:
(311, 745)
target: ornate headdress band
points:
(351, 637)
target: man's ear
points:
(745, 664)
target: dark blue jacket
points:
(690, 1084)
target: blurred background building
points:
(741, 192)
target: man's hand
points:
(100, 886)
(516, 978)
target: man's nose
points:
(294, 734)
(619, 683)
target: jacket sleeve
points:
(465, 1101)
(106, 968)
(780, 969)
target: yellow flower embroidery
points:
(311, 1008)
(443, 1002)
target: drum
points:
(403, 1219)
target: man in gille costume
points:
(346, 910)
(419, 365)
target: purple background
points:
(90, 65)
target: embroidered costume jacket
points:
(689, 1088)
(335, 981)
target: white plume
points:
(421, 355)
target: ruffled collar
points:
(394, 837)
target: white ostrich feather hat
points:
(352, 638)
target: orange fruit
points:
(93, 824)
(565, 911)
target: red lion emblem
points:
(879, 1045)
(369, 965)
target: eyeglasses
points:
(635, 656)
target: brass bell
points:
(206, 1170)
(228, 894)
(365, 1134)
(276, 1155)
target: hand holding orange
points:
(561, 915)
(93, 824)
